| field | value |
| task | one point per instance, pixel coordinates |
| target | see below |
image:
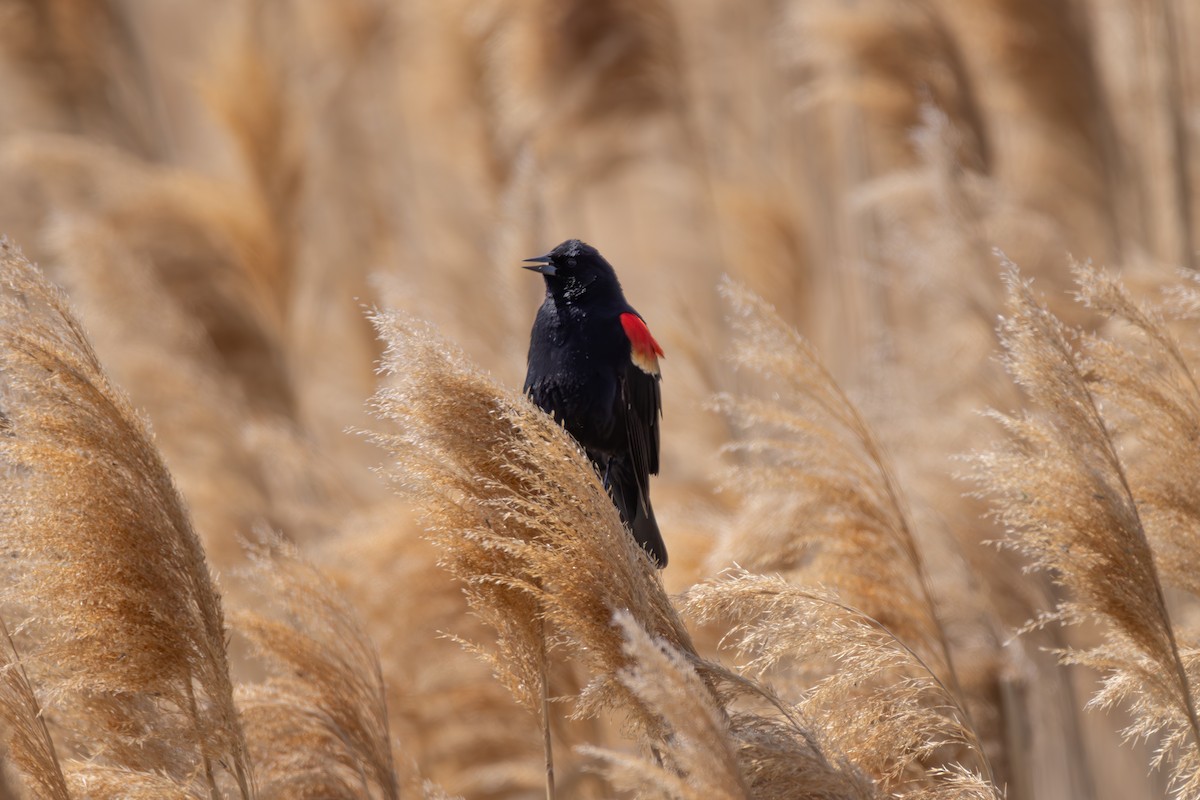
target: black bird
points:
(593, 366)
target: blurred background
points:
(225, 188)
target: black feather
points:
(581, 371)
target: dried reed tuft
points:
(167, 364)
(521, 518)
(820, 499)
(117, 783)
(130, 631)
(452, 717)
(30, 745)
(524, 523)
(1061, 487)
(319, 726)
(1153, 381)
(703, 762)
(866, 695)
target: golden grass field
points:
(278, 523)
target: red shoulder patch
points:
(644, 350)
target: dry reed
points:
(219, 245)
(1151, 379)
(30, 745)
(525, 525)
(319, 726)
(452, 717)
(705, 764)
(863, 691)
(1061, 487)
(820, 498)
(126, 628)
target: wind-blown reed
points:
(318, 728)
(125, 628)
(1061, 486)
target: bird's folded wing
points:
(643, 406)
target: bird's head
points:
(574, 269)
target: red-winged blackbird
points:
(593, 366)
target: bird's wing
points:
(642, 396)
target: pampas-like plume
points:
(126, 627)
(30, 744)
(580, 65)
(83, 67)
(319, 727)
(453, 718)
(521, 518)
(887, 59)
(821, 499)
(1061, 488)
(879, 704)
(1156, 387)
(665, 680)
(524, 522)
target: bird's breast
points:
(574, 375)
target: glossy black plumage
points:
(593, 367)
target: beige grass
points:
(545, 563)
(30, 745)
(319, 726)
(126, 627)
(697, 730)
(1062, 486)
(907, 729)
(221, 188)
(822, 498)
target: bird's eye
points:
(571, 263)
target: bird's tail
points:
(645, 531)
(635, 509)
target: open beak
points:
(541, 264)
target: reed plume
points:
(125, 625)
(820, 500)
(30, 744)
(445, 709)
(521, 518)
(1061, 487)
(166, 363)
(864, 692)
(318, 727)
(525, 524)
(1150, 379)
(704, 760)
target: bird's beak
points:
(542, 264)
